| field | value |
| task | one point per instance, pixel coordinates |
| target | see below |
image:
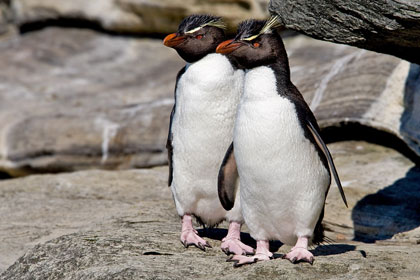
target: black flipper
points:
(325, 150)
(169, 146)
(228, 175)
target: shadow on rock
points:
(391, 210)
(333, 249)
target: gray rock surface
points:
(123, 225)
(78, 99)
(135, 16)
(75, 99)
(387, 26)
(6, 26)
(345, 85)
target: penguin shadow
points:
(220, 233)
(334, 249)
(391, 210)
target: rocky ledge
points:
(123, 225)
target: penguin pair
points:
(282, 162)
(207, 93)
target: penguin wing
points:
(226, 183)
(169, 146)
(325, 150)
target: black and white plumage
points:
(207, 92)
(282, 162)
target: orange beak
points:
(172, 40)
(227, 47)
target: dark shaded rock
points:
(387, 26)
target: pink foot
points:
(189, 235)
(236, 247)
(263, 254)
(300, 253)
(232, 244)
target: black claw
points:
(230, 259)
(226, 251)
(312, 261)
(184, 243)
(294, 260)
(208, 245)
(237, 264)
(200, 246)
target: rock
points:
(346, 86)
(76, 99)
(6, 26)
(135, 16)
(39, 208)
(388, 26)
(123, 225)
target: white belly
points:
(206, 101)
(283, 181)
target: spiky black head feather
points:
(197, 21)
(249, 28)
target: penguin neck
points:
(281, 71)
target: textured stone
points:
(387, 26)
(139, 16)
(75, 99)
(345, 85)
(123, 225)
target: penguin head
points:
(256, 43)
(197, 36)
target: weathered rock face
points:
(123, 225)
(387, 26)
(77, 99)
(72, 99)
(345, 85)
(137, 16)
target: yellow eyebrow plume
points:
(268, 26)
(215, 23)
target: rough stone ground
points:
(123, 225)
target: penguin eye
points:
(199, 37)
(256, 45)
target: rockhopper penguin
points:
(207, 93)
(280, 157)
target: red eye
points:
(256, 45)
(199, 37)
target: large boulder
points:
(123, 225)
(133, 16)
(77, 99)
(387, 26)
